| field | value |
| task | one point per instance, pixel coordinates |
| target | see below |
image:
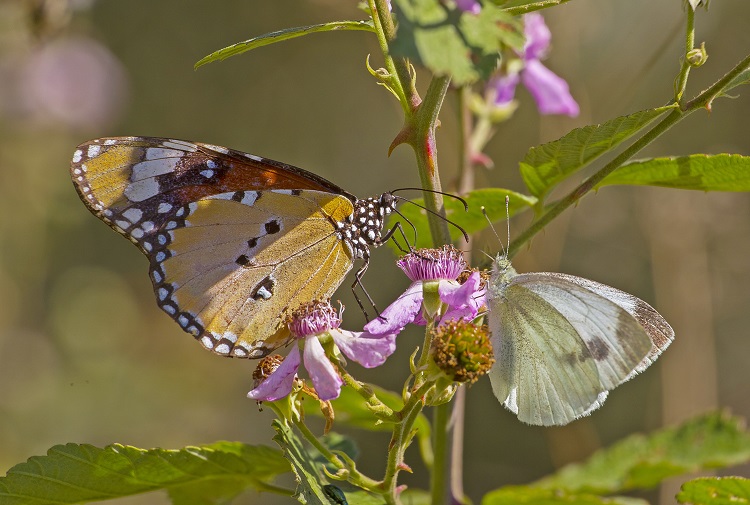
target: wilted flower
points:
(549, 90)
(433, 293)
(309, 324)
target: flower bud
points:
(698, 56)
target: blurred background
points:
(85, 354)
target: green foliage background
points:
(87, 357)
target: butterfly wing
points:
(564, 342)
(230, 268)
(235, 241)
(134, 183)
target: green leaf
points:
(524, 495)
(720, 172)
(715, 491)
(452, 42)
(351, 410)
(281, 35)
(492, 199)
(310, 483)
(76, 473)
(639, 461)
(742, 78)
(549, 164)
(518, 7)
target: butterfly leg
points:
(358, 282)
(389, 236)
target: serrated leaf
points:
(704, 172)
(643, 461)
(74, 473)
(351, 410)
(493, 200)
(451, 42)
(310, 482)
(547, 165)
(281, 35)
(525, 495)
(715, 491)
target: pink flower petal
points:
(322, 372)
(366, 349)
(398, 314)
(456, 295)
(279, 383)
(550, 91)
(505, 88)
(538, 36)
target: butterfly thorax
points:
(365, 227)
(502, 274)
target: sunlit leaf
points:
(281, 35)
(643, 461)
(547, 165)
(721, 172)
(492, 199)
(526, 495)
(715, 491)
(76, 473)
(451, 42)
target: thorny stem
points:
(380, 409)
(703, 100)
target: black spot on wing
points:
(243, 260)
(238, 196)
(273, 226)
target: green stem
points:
(402, 435)
(310, 436)
(703, 100)
(397, 67)
(682, 78)
(380, 409)
(422, 140)
(440, 447)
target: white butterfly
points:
(563, 342)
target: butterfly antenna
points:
(466, 207)
(507, 222)
(455, 197)
(492, 227)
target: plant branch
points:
(682, 78)
(703, 100)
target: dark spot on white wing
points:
(296, 192)
(264, 289)
(253, 242)
(273, 226)
(243, 260)
(598, 348)
(238, 196)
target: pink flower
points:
(309, 324)
(550, 91)
(431, 270)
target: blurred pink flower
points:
(550, 91)
(74, 81)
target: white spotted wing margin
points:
(563, 342)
